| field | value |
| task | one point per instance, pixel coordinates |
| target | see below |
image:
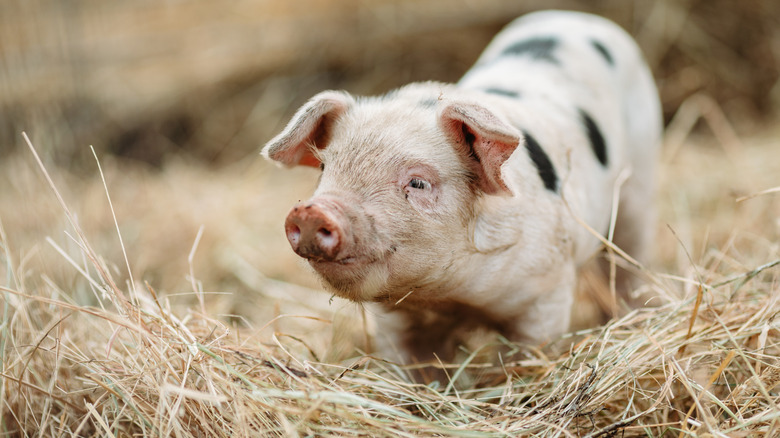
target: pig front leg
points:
(427, 334)
(548, 316)
(418, 335)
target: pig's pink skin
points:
(449, 215)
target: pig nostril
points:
(294, 235)
(327, 238)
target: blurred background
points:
(211, 81)
(177, 97)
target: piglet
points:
(452, 206)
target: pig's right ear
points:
(308, 130)
(484, 140)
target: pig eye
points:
(322, 165)
(420, 184)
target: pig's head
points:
(401, 174)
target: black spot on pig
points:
(503, 92)
(537, 48)
(542, 162)
(596, 138)
(603, 51)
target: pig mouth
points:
(356, 278)
(341, 261)
(343, 264)
(346, 263)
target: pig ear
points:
(484, 139)
(308, 130)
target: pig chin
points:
(359, 282)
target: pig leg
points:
(549, 315)
(427, 335)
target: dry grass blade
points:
(761, 193)
(190, 261)
(113, 215)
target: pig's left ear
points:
(484, 140)
(308, 130)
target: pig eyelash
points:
(420, 184)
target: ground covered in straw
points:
(208, 345)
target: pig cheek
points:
(420, 235)
(423, 201)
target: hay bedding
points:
(134, 365)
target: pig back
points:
(578, 87)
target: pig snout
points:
(316, 231)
